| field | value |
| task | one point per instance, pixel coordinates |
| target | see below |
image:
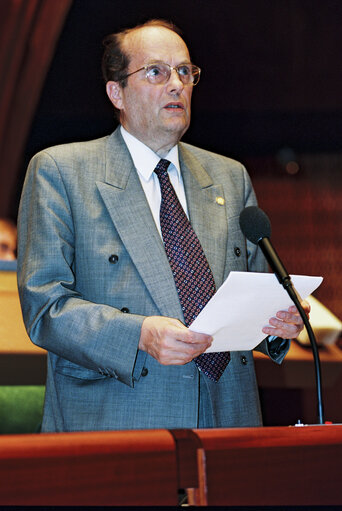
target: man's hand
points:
(287, 324)
(170, 342)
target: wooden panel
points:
(13, 336)
(273, 466)
(297, 369)
(251, 466)
(288, 392)
(105, 468)
(21, 362)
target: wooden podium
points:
(88, 469)
(272, 466)
(228, 467)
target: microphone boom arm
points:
(285, 280)
(293, 295)
(256, 226)
(274, 261)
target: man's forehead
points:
(148, 39)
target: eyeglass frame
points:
(171, 68)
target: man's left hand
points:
(287, 324)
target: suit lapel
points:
(128, 208)
(206, 211)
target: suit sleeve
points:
(57, 317)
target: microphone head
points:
(255, 224)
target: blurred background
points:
(270, 96)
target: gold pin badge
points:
(220, 201)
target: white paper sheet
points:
(243, 305)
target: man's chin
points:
(177, 126)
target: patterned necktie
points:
(194, 280)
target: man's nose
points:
(175, 83)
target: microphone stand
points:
(256, 215)
(285, 280)
(293, 295)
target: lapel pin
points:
(220, 201)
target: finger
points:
(278, 323)
(305, 305)
(290, 317)
(191, 337)
(290, 332)
(282, 328)
(171, 348)
(192, 349)
(173, 358)
(181, 354)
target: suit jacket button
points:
(244, 360)
(125, 309)
(144, 371)
(113, 259)
(237, 251)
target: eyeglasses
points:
(160, 73)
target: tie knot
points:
(161, 167)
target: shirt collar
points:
(144, 159)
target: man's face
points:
(8, 242)
(156, 114)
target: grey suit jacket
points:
(92, 265)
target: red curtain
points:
(29, 30)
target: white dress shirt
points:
(145, 161)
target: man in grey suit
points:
(96, 286)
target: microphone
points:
(256, 226)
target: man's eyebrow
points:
(159, 61)
(155, 61)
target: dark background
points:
(271, 76)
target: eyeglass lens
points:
(160, 73)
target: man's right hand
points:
(170, 342)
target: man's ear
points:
(113, 90)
